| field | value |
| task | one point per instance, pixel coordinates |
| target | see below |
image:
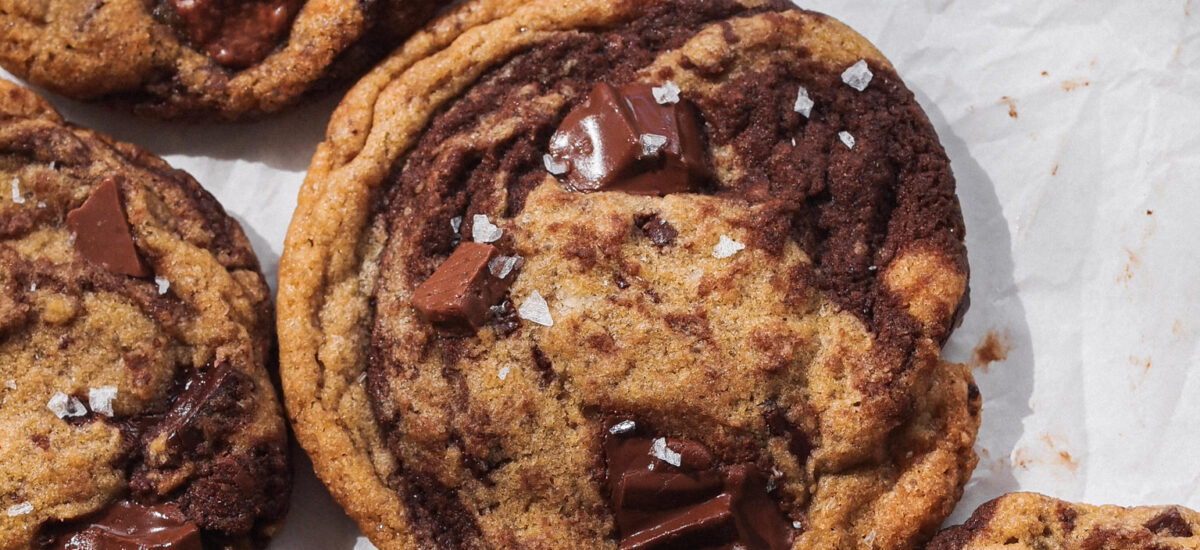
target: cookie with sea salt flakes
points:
(136, 408)
(648, 274)
(1027, 521)
(200, 59)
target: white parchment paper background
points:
(1073, 127)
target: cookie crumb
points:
(858, 76)
(20, 509)
(804, 104)
(536, 309)
(503, 373)
(727, 247)
(163, 285)
(665, 94)
(622, 427)
(100, 399)
(16, 191)
(63, 406)
(554, 167)
(483, 230)
(847, 139)
(664, 453)
(652, 144)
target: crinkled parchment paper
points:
(1074, 132)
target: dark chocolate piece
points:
(693, 505)
(1169, 523)
(624, 140)
(457, 297)
(129, 526)
(661, 232)
(102, 233)
(235, 33)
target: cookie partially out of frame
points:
(199, 58)
(641, 274)
(136, 408)
(1030, 521)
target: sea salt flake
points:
(456, 223)
(163, 285)
(652, 144)
(555, 167)
(660, 451)
(64, 406)
(858, 76)
(53, 164)
(536, 309)
(483, 231)
(804, 104)
(727, 247)
(503, 373)
(667, 93)
(20, 509)
(847, 139)
(797, 525)
(16, 191)
(33, 287)
(100, 399)
(622, 427)
(11, 384)
(501, 266)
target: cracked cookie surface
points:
(785, 315)
(135, 340)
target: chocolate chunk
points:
(660, 232)
(1169, 523)
(211, 399)
(457, 297)
(624, 140)
(693, 505)
(126, 525)
(102, 233)
(235, 33)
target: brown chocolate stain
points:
(1143, 362)
(1012, 106)
(994, 347)
(1061, 456)
(1054, 171)
(1044, 73)
(1026, 458)
(1187, 8)
(1177, 327)
(1149, 212)
(1072, 85)
(1131, 264)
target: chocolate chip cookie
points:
(136, 408)
(648, 274)
(1027, 521)
(200, 58)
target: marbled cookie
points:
(642, 274)
(1029, 521)
(136, 408)
(200, 58)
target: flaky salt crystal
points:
(503, 373)
(553, 166)
(501, 266)
(456, 223)
(660, 451)
(20, 509)
(100, 399)
(163, 285)
(652, 144)
(858, 76)
(797, 525)
(33, 286)
(16, 191)
(11, 384)
(667, 93)
(622, 427)
(727, 247)
(63, 406)
(847, 139)
(804, 104)
(483, 231)
(536, 309)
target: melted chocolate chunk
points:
(235, 33)
(1169, 523)
(457, 297)
(695, 504)
(126, 526)
(624, 140)
(102, 233)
